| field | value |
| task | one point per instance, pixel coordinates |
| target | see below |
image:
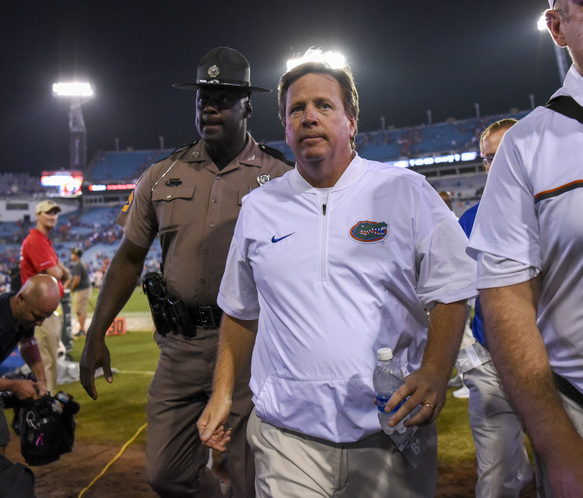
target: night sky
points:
(408, 57)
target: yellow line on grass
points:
(115, 458)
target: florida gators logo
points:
(369, 231)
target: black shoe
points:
(81, 333)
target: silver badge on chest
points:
(263, 179)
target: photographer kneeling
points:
(19, 313)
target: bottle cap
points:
(384, 354)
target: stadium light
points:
(333, 59)
(560, 54)
(74, 91)
(541, 24)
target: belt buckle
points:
(207, 319)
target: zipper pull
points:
(324, 209)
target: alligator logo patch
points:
(369, 231)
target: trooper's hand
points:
(95, 354)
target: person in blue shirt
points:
(503, 465)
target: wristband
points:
(29, 350)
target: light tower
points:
(77, 93)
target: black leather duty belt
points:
(207, 317)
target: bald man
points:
(19, 313)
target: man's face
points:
(569, 32)
(316, 124)
(573, 31)
(221, 114)
(490, 145)
(33, 313)
(49, 219)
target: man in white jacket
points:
(330, 262)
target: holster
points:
(169, 313)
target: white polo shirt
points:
(531, 215)
(332, 285)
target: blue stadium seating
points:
(95, 231)
(124, 165)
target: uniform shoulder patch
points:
(128, 204)
(369, 231)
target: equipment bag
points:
(46, 427)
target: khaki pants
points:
(81, 300)
(48, 336)
(292, 465)
(503, 465)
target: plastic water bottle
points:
(387, 378)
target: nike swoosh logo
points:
(274, 239)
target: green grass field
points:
(138, 302)
(121, 408)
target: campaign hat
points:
(223, 67)
(46, 206)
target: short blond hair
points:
(503, 124)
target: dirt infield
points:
(69, 476)
(73, 472)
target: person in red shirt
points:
(38, 256)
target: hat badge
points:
(213, 71)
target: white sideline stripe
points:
(139, 372)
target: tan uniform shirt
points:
(194, 208)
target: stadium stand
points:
(123, 165)
(17, 184)
(446, 153)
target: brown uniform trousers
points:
(193, 207)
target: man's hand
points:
(211, 426)
(65, 274)
(25, 389)
(427, 387)
(424, 388)
(95, 354)
(41, 388)
(235, 347)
